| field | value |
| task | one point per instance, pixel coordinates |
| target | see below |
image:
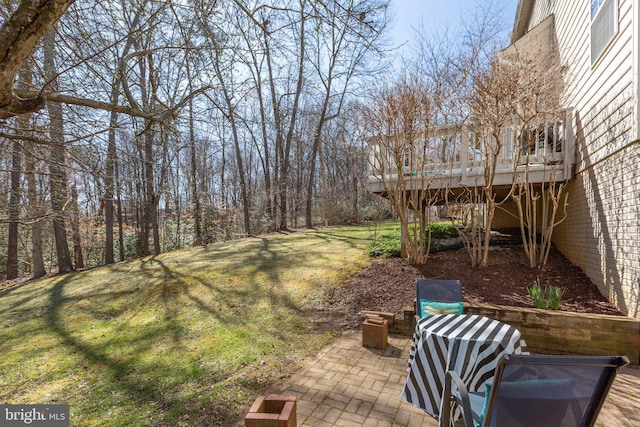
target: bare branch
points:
(134, 112)
(18, 37)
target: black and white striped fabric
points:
(468, 344)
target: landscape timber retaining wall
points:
(563, 332)
(556, 332)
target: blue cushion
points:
(429, 308)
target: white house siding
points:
(541, 9)
(602, 230)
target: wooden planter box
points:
(272, 411)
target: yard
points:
(185, 338)
(192, 337)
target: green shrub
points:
(440, 230)
(385, 245)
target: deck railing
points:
(453, 156)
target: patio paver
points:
(348, 385)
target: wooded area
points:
(172, 124)
(132, 129)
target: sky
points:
(435, 13)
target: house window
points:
(604, 25)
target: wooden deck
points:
(449, 158)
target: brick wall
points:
(602, 232)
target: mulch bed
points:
(389, 284)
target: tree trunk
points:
(229, 114)
(356, 216)
(119, 213)
(108, 179)
(277, 123)
(325, 185)
(286, 149)
(317, 140)
(149, 199)
(193, 177)
(35, 213)
(257, 71)
(197, 210)
(57, 163)
(155, 226)
(283, 145)
(241, 175)
(267, 162)
(14, 211)
(112, 152)
(75, 228)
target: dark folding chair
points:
(446, 291)
(536, 390)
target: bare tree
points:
(14, 211)
(339, 52)
(125, 135)
(457, 68)
(536, 105)
(514, 99)
(229, 109)
(110, 163)
(253, 39)
(491, 106)
(57, 162)
(75, 227)
(35, 213)
(401, 117)
(284, 146)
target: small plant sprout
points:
(537, 295)
(554, 296)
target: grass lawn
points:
(189, 337)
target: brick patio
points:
(349, 385)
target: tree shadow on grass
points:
(170, 290)
(126, 361)
(126, 374)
